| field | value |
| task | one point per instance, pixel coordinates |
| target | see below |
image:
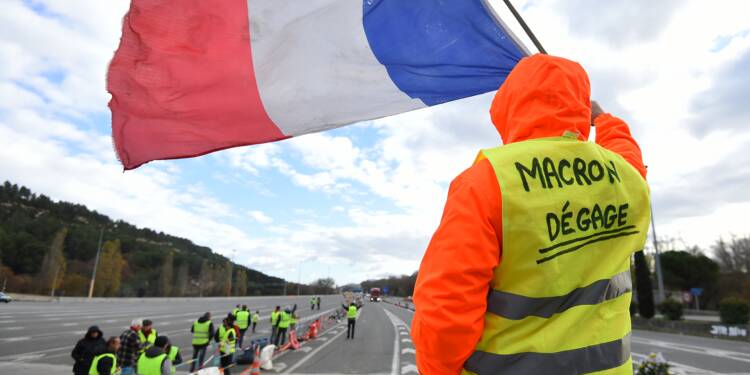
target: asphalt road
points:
(44, 333)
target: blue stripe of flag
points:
(439, 50)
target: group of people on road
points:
(315, 303)
(281, 322)
(139, 349)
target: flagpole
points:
(525, 27)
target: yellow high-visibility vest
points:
(201, 332)
(572, 215)
(149, 341)
(93, 369)
(243, 318)
(227, 339)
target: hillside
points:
(46, 244)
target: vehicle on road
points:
(375, 295)
(5, 298)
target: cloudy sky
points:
(363, 201)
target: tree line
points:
(724, 274)
(49, 247)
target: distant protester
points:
(86, 349)
(130, 346)
(106, 363)
(155, 360)
(203, 330)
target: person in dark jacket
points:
(107, 361)
(86, 348)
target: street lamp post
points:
(659, 280)
(299, 276)
(96, 263)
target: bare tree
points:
(52, 271)
(734, 255)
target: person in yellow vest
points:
(285, 320)
(529, 269)
(275, 322)
(106, 362)
(243, 322)
(202, 330)
(227, 338)
(175, 357)
(235, 311)
(351, 318)
(155, 360)
(147, 335)
(256, 317)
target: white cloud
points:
(260, 217)
(656, 71)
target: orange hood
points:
(543, 96)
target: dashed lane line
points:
(312, 353)
(408, 351)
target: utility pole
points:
(659, 280)
(96, 263)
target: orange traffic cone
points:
(255, 368)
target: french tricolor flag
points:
(196, 76)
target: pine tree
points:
(643, 286)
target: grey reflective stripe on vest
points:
(516, 307)
(577, 361)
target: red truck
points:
(375, 295)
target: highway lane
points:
(382, 344)
(45, 332)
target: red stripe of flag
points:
(182, 82)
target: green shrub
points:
(655, 364)
(671, 309)
(734, 311)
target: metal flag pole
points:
(525, 27)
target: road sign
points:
(696, 291)
(385, 290)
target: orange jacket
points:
(544, 96)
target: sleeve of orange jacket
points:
(613, 134)
(456, 270)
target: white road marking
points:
(69, 324)
(305, 349)
(16, 339)
(682, 368)
(279, 367)
(396, 344)
(13, 328)
(735, 356)
(311, 354)
(29, 357)
(404, 333)
(408, 350)
(409, 368)
(406, 340)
